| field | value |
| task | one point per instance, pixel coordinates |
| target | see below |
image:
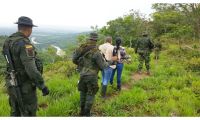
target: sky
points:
(71, 13)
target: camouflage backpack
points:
(79, 53)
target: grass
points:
(171, 90)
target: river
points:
(59, 51)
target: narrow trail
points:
(125, 87)
(134, 78)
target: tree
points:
(81, 38)
(192, 13)
(181, 20)
(129, 27)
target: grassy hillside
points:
(173, 89)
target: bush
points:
(193, 64)
(196, 87)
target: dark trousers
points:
(88, 88)
(29, 101)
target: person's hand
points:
(114, 58)
(45, 91)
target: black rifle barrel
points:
(13, 81)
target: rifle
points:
(126, 58)
(13, 81)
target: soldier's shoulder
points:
(83, 45)
(96, 49)
(18, 37)
(96, 52)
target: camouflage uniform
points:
(144, 47)
(157, 49)
(89, 63)
(27, 74)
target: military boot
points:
(87, 113)
(119, 87)
(82, 112)
(148, 72)
(139, 71)
(103, 91)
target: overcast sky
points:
(71, 13)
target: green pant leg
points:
(83, 93)
(82, 102)
(31, 109)
(147, 61)
(29, 100)
(88, 104)
(92, 88)
(14, 107)
(141, 61)
(15, 111)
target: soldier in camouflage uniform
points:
(144, 47)
(89, 61)
(28, 74)
(157, 48)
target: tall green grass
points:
(171, 90)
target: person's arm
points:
(100, 61)
(76, 56)
(27, 56)
(109, 55)
(151, 44)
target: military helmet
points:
(93, 36)
(23, 20)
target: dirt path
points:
(125, 87)
(134, 78)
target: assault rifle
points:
(13, 81)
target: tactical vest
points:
(15, 43)
(83, 57)
(144, 45)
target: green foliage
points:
(61, 67)
(170, 91)
(173, 89)
(176, 20)
(194, 64)
(129, 27)
(2, 59)
(196, 87)
(81, 38)
(63, 99)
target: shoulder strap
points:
(87, 50)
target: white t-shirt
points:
(107, 50)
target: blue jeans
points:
(106, 74)
(119, 68)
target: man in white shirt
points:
(107, 51)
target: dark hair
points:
(118, 41)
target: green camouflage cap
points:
(93, 36)
(23, 20)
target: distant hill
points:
(59, 39)
(47, 36)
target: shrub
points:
(193, 64)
